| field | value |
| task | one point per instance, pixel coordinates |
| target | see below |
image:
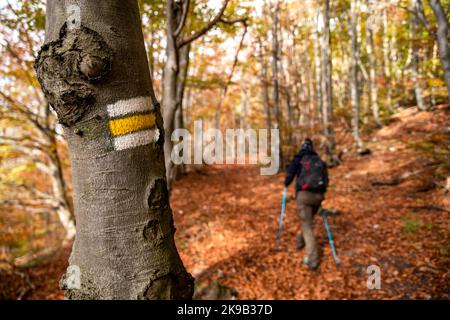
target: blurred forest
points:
(366, 80)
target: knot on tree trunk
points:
(68, 67)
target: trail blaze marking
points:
(132, 123)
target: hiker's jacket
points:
(295, 166)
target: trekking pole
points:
(336, 259)
(283, 207)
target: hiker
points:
(311, 185)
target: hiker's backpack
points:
(313, 175)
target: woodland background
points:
(362, 78)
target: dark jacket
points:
(295, 166)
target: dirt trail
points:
(227, 221)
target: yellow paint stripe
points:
(131, 124)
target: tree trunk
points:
(415, 58)
(65, 215)
(264, 86)
(275, 80)
(171, 69)
(327, 88)
(355, 95)
(181, 85)
(372, 71)
(387, 59)
(442, 35)
(96, 77)
(60, 193)
(317, 67)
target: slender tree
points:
(327, 87)
(355, 94)
(176, 16)
(264, 84)
(442, 35)
(387, 58)
(415, 56)
(372, 65)
(317, 64)
(94, 72)
(275, 71)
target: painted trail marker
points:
(132, 123)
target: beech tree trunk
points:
(96, 77)
(275, 80)
(355, 94)
(372, 70)
(387, 59)
(327, 87)
(60, 193)
(318, 67)
(176, 15)
(171, 69)
(264, 85)
(442, 36)
(181, 85)
(415, 57)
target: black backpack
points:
(313, 175)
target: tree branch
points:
(419, 13)
(235, 62)
(206, 28)
(182, 22)
(233, 21)
(29, 115)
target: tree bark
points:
(442, 35)
(415, 57)
(275, 80)
(96, 77)
(355, 94)
(65, 215)
(318, 67)
(169, 101)
(327, 87)
(181, 85)
(387, 59)
(372, 70)
(264, 85)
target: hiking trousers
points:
(308, 203)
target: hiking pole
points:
(336, 259)
(283, 207)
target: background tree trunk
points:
(124, 246)
(327, 87)
(170, 79)
(415, 57)
(387, 58)
(317, 66)
(275, 80)
(181, 85)
(372, 69)
(442, 35)
(264, 85)
(65, 215)
(355, 95)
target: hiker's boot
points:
(312, 265)
(300, 241)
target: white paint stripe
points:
(135, 139)
(123, 107)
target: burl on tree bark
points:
(95, 75)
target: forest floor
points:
(391, 209)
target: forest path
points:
(227, 219)
(227, 223)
